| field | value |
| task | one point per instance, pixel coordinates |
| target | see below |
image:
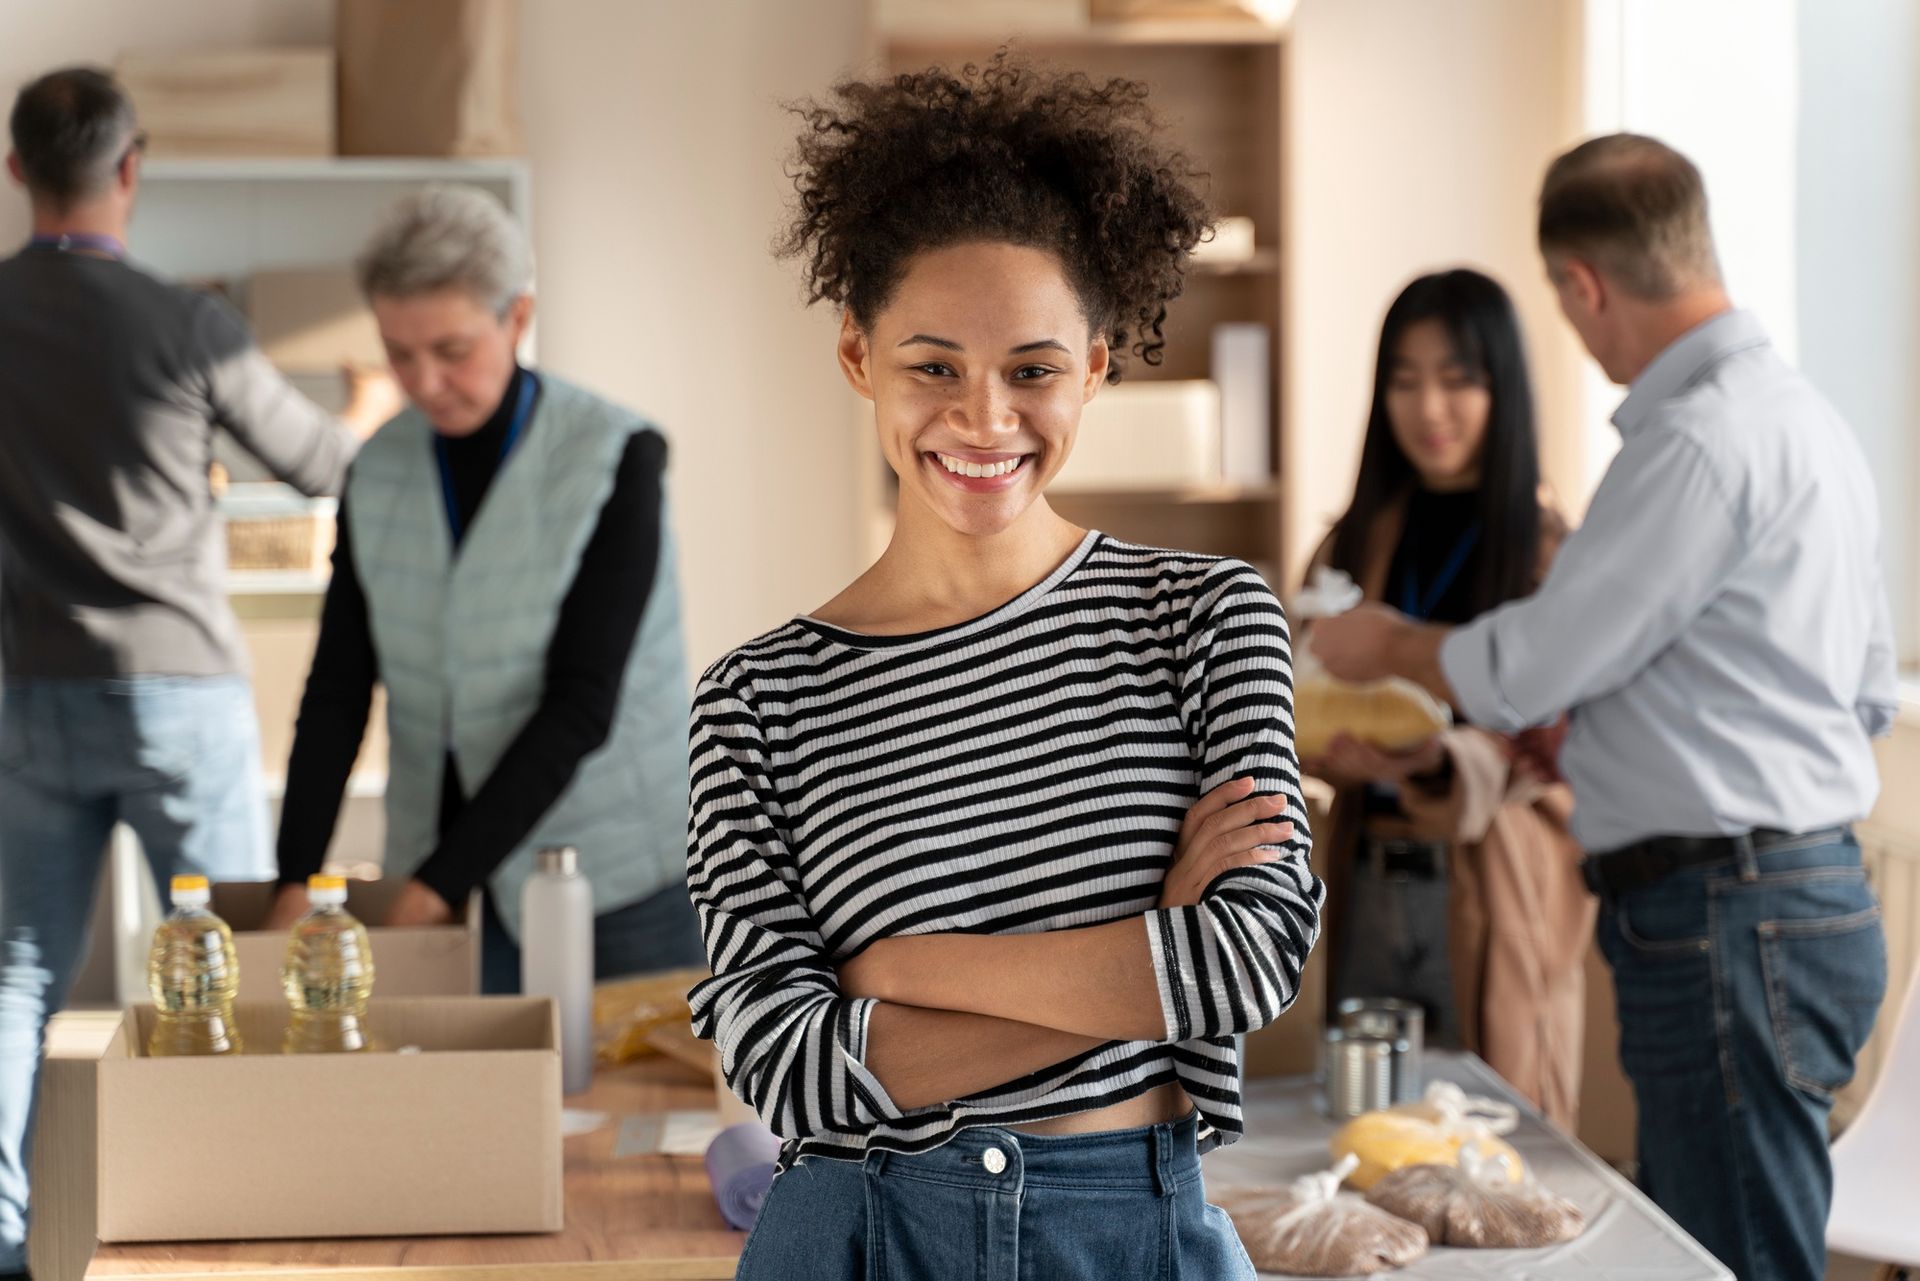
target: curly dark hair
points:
(887, 169)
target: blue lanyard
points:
(81, 240)
(517, 424)
(1412, 602)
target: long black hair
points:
(1485, 332)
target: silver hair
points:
(448, 237)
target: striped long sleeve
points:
(1024, 771)
(1232, 962)
(789, 1043)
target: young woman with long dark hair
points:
(1454, 880)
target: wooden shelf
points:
(1203, 496)
(331, 169)
(1262, 262)
(1224, 32)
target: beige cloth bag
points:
(429, 77)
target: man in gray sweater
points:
(126, 695)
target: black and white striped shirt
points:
(1022, 772)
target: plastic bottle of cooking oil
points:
(327, 974)
(193, 976)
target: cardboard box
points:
(461, 1138)
(437, 960)
(1154, 434)
(313, 321)
(233, 102)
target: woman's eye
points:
(935, 369)
(1029, 373)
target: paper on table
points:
(669, 1133)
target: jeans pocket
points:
(1825, 977)
(1663, 920)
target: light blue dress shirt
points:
(1718, 626)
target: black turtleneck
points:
(586, 660)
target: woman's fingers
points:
(1256, 810)
(1214, 802)
(1246, 838)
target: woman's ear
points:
(519, 317)
(1099, 360)
(855, 354)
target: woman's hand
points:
(417, 905)
(1222, 831)
(1349, 762)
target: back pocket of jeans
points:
(1825, 978)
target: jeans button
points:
(995, 1160)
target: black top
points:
(1437, 524)
(586, 660)
(1431, 578)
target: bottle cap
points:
(191, 891)
(327, 891)
(560, 860)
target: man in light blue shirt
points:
(1719, 631)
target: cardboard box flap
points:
(436, 1025)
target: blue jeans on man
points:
(177, 759)
(1745, 990)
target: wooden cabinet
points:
(1217, 84)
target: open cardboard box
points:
(436, 960)
(461, 1138)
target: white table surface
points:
(1626, 1234)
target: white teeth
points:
(961, 467)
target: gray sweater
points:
(112, 384)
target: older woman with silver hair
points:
(504, 566)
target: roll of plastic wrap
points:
(740, 1164)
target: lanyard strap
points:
(1416, 605)
(522, 409)
(85, 242)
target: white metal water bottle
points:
(556, 956)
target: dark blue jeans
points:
(997, 1205)
(1745, 990)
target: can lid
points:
(327, 891)
(560, 860)
(191, 891)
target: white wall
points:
(1419, 133)
(1858, 241)
(655, 135)
(1716, 79)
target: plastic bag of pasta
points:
(1477, 1203)
(1311, 1229)
(1430, 1132)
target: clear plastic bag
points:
(1312, 1229)
(1478, 1204)
(1432, 1131)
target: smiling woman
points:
(997, 851)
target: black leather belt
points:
(1425, 860)
(1644, 862)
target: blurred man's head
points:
(74, 141)
(1624, 231)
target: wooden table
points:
(634, 1218)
